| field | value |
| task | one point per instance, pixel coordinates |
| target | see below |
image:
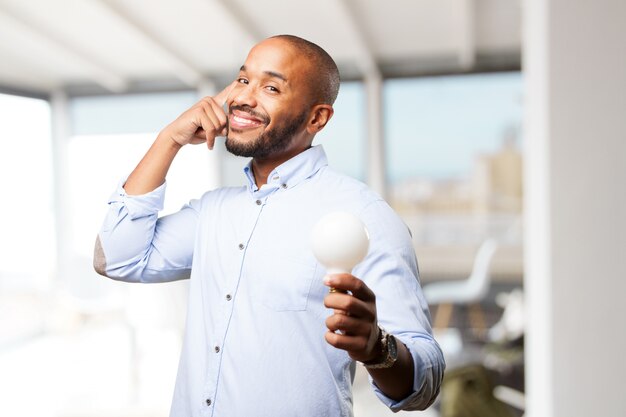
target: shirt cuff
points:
(420, 397)
(139, 206)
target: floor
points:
(87, 372)
(63, 364)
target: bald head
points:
(324, 75)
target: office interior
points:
(494, 128)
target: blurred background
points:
(495, 128)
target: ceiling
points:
(116, 46)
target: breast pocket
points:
(283, 285)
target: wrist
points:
(387, 351)
(168, 141)
(377, 351)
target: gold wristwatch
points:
(389, 353)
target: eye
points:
(242, 80)
(272, 89)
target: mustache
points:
(247, 109)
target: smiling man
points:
(264, 337)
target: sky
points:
(434, 126)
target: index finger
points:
(347, 282)
(222, 96)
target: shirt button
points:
(283, 186)
(217, 349)
(258, 202)
(229, 297)
(208, 402)
(241, 246)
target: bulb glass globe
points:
(339, 242)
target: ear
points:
(320, 115)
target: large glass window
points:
(345, 138)
(455, 167)
(27, 246)
(76, 324)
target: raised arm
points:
(134, 244)
(201, 123)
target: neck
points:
(263, 167)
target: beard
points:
(271, 141)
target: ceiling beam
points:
(97, 71)
(467, 33)
(245, 24)
(21, 73)
(184, 70)
(365, 57)
(22, 92)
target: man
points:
(264, 336)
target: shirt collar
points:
(293, 171)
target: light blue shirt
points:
(254, 340)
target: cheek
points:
(284, 112)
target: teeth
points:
(244, 121)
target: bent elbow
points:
(99, 259)
(429, 380)
(435, 380)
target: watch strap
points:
(389, 353)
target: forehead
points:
(278, 56)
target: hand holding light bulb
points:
(339, 242)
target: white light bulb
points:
(339, 242)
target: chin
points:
(237, 135)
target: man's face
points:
(269, 106)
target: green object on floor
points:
(468, 392)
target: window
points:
(27, 247)
(454, 164)
(345, 138)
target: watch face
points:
(390, 352)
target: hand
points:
(353, 327)
(202, 122)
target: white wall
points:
(575, 69)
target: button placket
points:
(254, 208)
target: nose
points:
(243, 94)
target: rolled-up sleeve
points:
(135, 245)
(391, 271)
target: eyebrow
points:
(273, 74)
